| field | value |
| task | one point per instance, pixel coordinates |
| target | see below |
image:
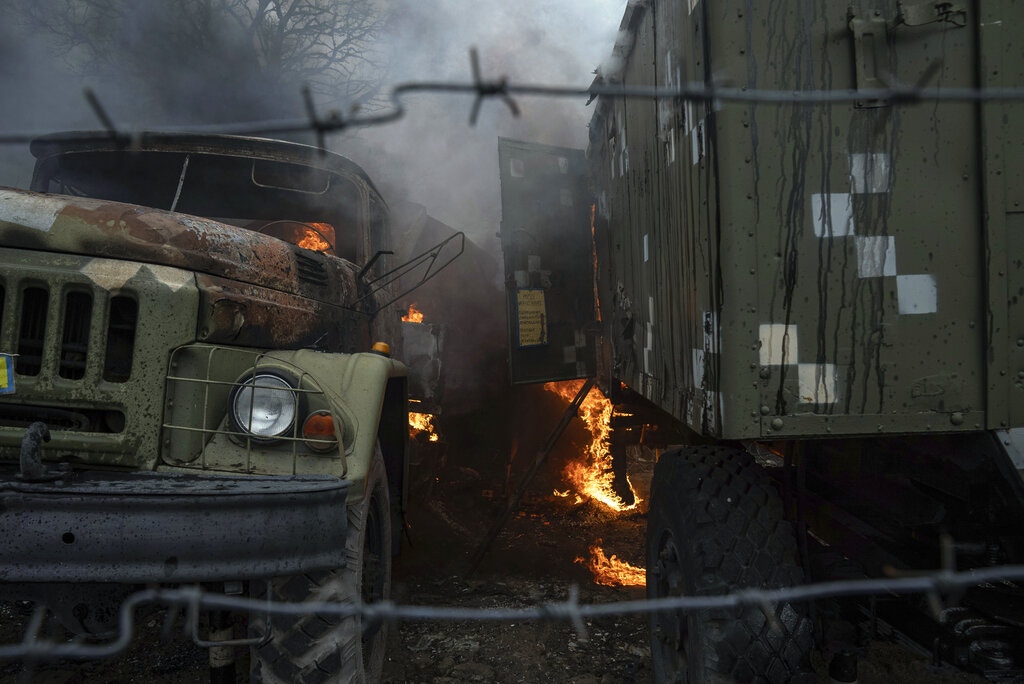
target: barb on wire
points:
(334, 122)
(484, 89)
(570, 610)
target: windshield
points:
(307, 206)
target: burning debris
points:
(591, 474)
(414, 315)
(611, 571)
(422, 424)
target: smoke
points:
(433, 156)
(37, 92)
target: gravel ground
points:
(456, 492)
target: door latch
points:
(871, 54)
(930, 12)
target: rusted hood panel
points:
(77, 225)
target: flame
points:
(414, 315)
(313, 237)
(612, 572)
(596, 268)
(592, 473)
(577, 499)
(420, 423)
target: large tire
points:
(324, 648)
(715, 525)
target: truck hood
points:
(78, 225)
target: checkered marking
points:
(577, 353)
(816, 382)
(833, 217)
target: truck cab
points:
(200, 384)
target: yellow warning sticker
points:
(6, 374)
(531, 317)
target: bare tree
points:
(218, 60)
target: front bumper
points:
(148, 527)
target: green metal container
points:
(809, 269)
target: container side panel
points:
(800, 269)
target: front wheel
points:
(715, 526)
(326, 648)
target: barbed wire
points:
(483, 89)
(938, 586)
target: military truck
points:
(200, 384)
(823, 295)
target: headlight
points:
(264, 405)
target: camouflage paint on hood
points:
(77, 225)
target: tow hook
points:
(32, 467)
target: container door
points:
(548, 254)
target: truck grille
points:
(87, 322)
(91, 339)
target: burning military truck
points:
(199, 384)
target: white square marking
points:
(869, 173)
(778, 344)
(832, 214)
(817, 383)
(876, 256)
(698, 367)
(917, 294)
